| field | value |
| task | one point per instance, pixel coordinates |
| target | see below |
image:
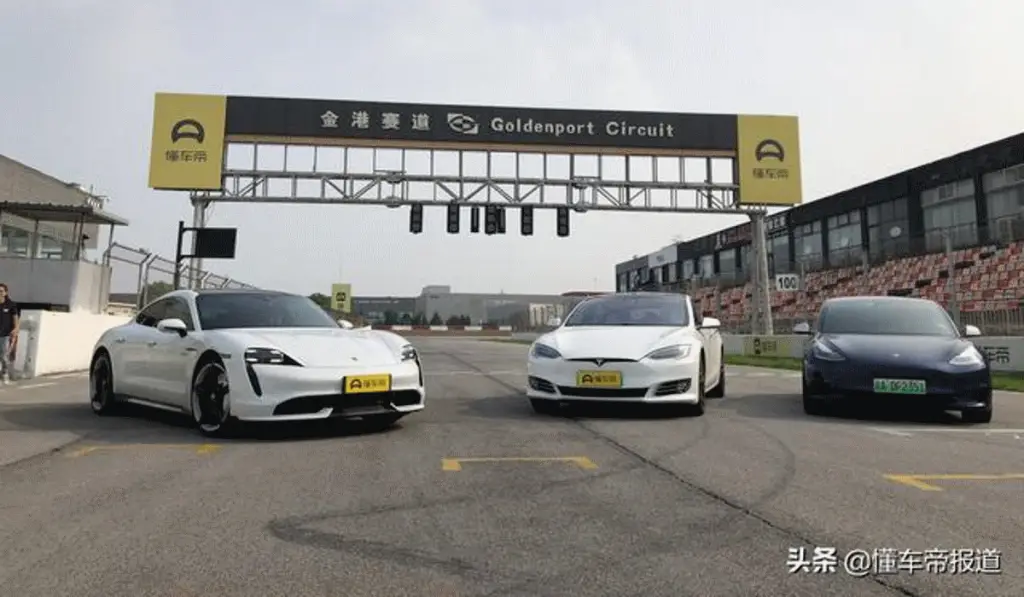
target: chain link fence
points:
(139, 276)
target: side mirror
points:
(971, 331)
(710, 323)
(345, 324)
(802, 328)
(172, 326)
(554, 322)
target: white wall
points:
(54, 342)
(80, 285)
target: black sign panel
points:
(422, 124)
(215, 243)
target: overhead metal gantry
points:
(275, 150)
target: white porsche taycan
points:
(634, 347)
(230, 356)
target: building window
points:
(620, 283)
(1004, 198)
(707, 267)
(688, 270)
(808, 245)
(887, 229)
(778, 254)
(671, 272)
(950, 210)
(844, 239)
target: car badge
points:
(599, 362)
(354, 359)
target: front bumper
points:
(283, 393)
(648, 381)
(947, 388)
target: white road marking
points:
(471, 373)
(910, 431)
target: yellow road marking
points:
(921, 481)
(199, 448)
(455, 464)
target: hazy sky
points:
(879, 86)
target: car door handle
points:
(119, 340)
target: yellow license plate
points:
(365, 384)
(599, 379)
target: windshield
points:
(886, 317)
(631, 310)
(258, 310)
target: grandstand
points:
(898, 236)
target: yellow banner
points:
(768, 149)
(341, 297)
(187, 152)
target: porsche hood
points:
(318, 347)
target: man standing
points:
(10, 318)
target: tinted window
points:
(892, 317)
(178, 308)
(153, 313)
(651, 310)
(258, 310)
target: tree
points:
(419, 319)
(390, 317)
(454, 320)
(322, 300)
(405, 319)
(436, 319)
(155, 290)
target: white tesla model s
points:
(230, 356)
(643, 347)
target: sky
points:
(879, 86)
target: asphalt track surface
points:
(648, 505)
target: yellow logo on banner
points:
(341, 297)
(768, 149)
(188, 142)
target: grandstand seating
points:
(987, 278)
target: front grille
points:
(602, 392)
(306, 405)
(678, 386)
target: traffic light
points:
(563, 221)
(500, 217)
(453, 218)
(474, 220)
(526, 220)
(490, 220)
(416, 219)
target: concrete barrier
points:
(1005, 352)
(52, 342)
(449, 330)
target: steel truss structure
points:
(403, 176)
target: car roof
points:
(876, 299)
(640, 293)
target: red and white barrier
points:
(446, 329)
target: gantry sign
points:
(712, 163)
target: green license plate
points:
(900, 386)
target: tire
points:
(101, 386)
(719, 390)
(977, 415)
(381, 422)
(210, 400)
(812, 405)
(542, 406)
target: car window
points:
(178, 308)
(230, 310)
(150, 315)
(647, 310)
(886, 317)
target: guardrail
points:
(1006, 353)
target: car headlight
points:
(679, 351)
(969, 357)
(268, 356)
(543, 351)
(409, 353)
(823, 352)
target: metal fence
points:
(143, 272)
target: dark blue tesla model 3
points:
(897, 350)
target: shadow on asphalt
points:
(149, 426)
(790, 408)
(517, 407)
